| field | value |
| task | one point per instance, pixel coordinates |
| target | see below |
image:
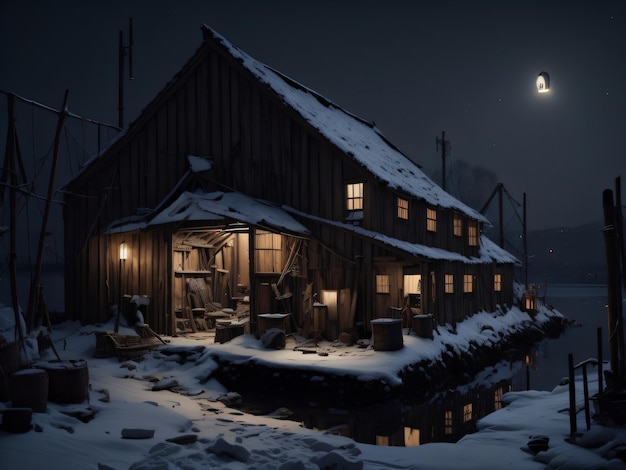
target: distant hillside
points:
(567, 255)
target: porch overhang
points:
(216, 208)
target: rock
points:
(136, 433)
(165, 384)
(222, 447)
(538, 444)
(184, 439)
(273, 338)
(336, 460)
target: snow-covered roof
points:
(488, 251)
(218, 206)
(356, 137)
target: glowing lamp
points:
(123, 251)
(543, 82)
(530, 301)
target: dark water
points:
(446, 417)
(586, 306)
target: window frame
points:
(468, 281)
(379, 285)
(402, 208)
(497, 282)
(457, 225)
(448, 283)
(472, 233)
(431, 220)
(355, 199)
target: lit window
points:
(412, 284)
(431, 220)
(382, 284)
(497, 398)
(448, 422)
(467, 413)
(403, 209)
(354, 196)
(468, 283)
(472, 234)
(449, 283)
(268, 252)
(497, 282)
(458, 225)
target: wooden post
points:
(614, 288)
(34, 290)
(572, 397)
(599, 340)
(12, 177)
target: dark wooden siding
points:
(260, 147)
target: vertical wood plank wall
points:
(216, 108)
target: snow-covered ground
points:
(195, 430)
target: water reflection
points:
(445, 417)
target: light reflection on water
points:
(446, 417)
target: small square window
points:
(382, 284)
(403, 209)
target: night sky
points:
(414, 68)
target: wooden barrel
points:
(29, 389)
(423, 326)
(69, 380)
(387, 333)
(17, 420)
(9, 363)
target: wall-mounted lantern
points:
(123, 251)
(529, 300)
(543, 82)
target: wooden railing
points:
(572, 386)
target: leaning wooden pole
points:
(35, 285)
(12, 170)
(614, 289)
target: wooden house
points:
(241, 180)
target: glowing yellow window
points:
(448, 422)
(431, 220)
(468, 283)
(472, 234)
(458, 225)
(403, 209)
(449, 283)
(354, 196)
(382, 284)
(467, 413)
(497, 282)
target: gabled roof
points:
(357, 138)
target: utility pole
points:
(120, 77)
(444, 151)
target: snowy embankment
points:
(182, 407)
